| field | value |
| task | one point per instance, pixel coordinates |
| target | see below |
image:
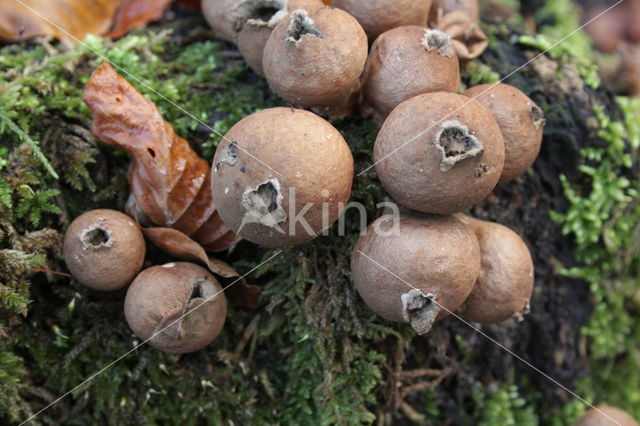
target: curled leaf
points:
(181, 246)
(469, 41)
(169, 182)
(136, 13)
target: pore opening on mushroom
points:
(420, 310)
(263, 204)
(538, 117)
(201, 290)
(456, 144)
(230, 154)
(259, 13)
(96, 236)
(300, 25)
(438, 40)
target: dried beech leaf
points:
(76, 17)
(181, 246)
(71, 20)
(469, 41)
(170, 182)
(136, 13)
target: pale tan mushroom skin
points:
(521, 122)
(378, 16)
(104, 249)
(421, 162)
(402, 65)
(275, 154)
(606, 415)
(316, 60)
(179, 306)
(218, 15)
(503, 289)
(437, 255)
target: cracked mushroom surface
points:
(505, 284)
(179, 306)
(405, 62)
(281, 176)
(104, 249)
(253, 21)
(316, 59)
(416, 270)
(378, 16)
(521, 122)
(439, 153)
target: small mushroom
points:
(439, 153)
(503, 289)
(405, 62)
(178, 307)
(521, 123)
(281, 176)
(417, 269)
(253, 21)
(104, 249)
(378, 16)
(606, 415)
(218, 13)
(316, 60)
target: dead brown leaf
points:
(70, 21)
(170, 182)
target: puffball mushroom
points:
(104, 249)
(316, 60)
(405, 62)
(606, 415)
(378, 16)
(416, 270)
(281, 176)
(253, 21)
(504, 286)
(439, 153)
(217, 13)
(179, 307)
(521, 123)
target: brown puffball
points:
(378, 16)
(253, 21)
(439, 153)
(605, 415)
(104, 249)
(405, 62)
(417, 268)
(276, 167)
(316, 60)
(521, 123)
(180, 307)
(218, 15)
(503, 289)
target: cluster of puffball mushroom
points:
(437, 154)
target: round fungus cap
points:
(317, 59)
(405, 62)
(521, 123)
(180, 307)
(378, 16)
(503, 289)
(218, 13)
(253, 21)
(606, 415)
(416, 269)
(281, 176)
(104, 249)
(439, 153)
